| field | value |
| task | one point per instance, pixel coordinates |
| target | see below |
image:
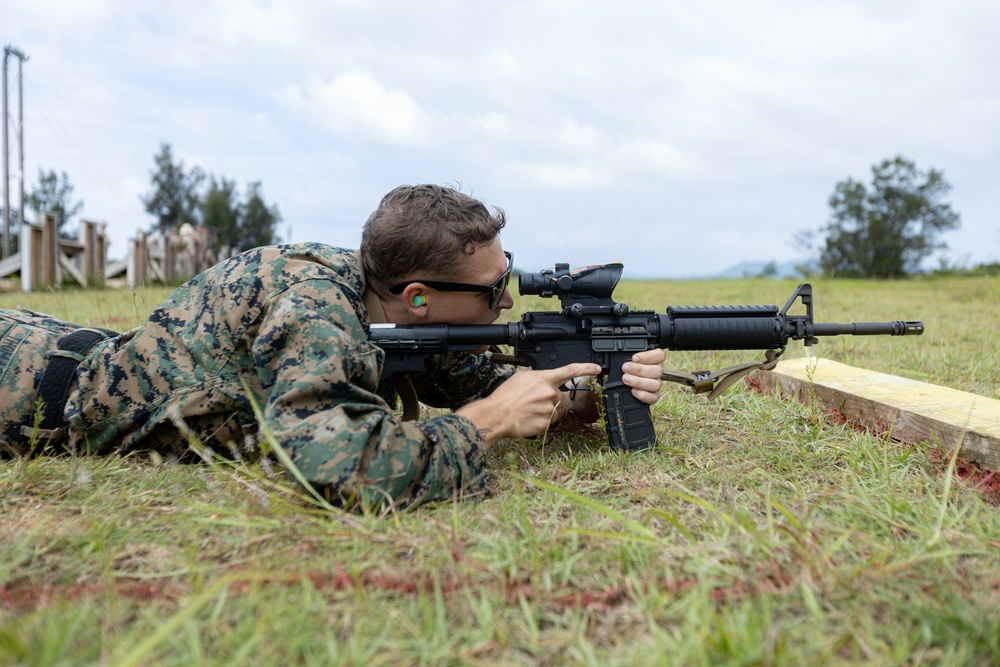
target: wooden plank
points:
(70, 247)
(153, 269)
(9, 265)
(115, 269)
(69, 267)
(909, 410)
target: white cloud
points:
(242, 23)
(562, 175)
(503, 64)
(58, 14)
(493, 123)
(355, 103)
(703, 112)
(660, 156)
(579, 137)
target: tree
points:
(887, 230)
(220, 212)
(54, 194)
(259, 220)
(15, 225)
(174, 198)
(238, 225)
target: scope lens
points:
(532, 283)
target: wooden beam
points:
(909, 410)
(9, 265)
(67, 265)
(115, 269)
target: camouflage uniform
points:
(286, 326)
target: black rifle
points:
(592, 327)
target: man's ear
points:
(415, 299)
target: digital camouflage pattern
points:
(288, 324)
(25, 337)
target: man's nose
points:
(507, 301)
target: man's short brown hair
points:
(424, 228)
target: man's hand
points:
(530, 401)
(526, 404)
(643, 374)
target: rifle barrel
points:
(893, 328)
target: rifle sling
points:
(701, 382)
(714, 383)
(404, 388)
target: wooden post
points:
(911, 411)
(204, 250)
(135, 271)
(37, 249)
(101, 249)
(95, 252)
(170, 256)
(131, 275)
(29, 263)
(88, 237)
(50, 250)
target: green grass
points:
(758, 533)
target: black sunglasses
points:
(495, 290)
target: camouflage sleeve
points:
(319, 374)
(452, 380)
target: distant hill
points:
(754, 269)
(735, 272)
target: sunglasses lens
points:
(500, 286)
(497, 294)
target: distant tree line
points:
(885, 229)
(53, 194)
(179, 196)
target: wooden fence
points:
(46, 260)
(172, 257)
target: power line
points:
(65, 137)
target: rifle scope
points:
(590, 282)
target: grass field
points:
(759, 532)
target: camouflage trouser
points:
(26, 338)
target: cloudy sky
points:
(679, 137)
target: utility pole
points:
(9, 50)
(6, 163)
